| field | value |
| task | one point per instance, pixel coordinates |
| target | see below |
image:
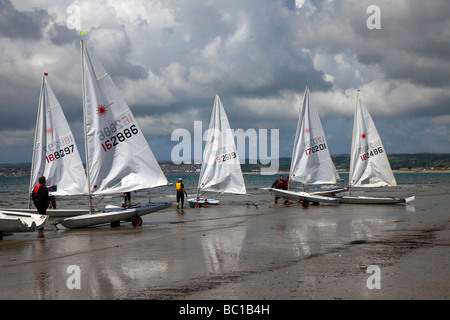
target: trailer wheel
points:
(137, 222)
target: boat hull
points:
(113, 214)
(374, 200)
(328, 192)
(202, 202)
(12, 221)
(303, 196)
(60, 213)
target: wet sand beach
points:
(413, 259)
(240, 252)
(414, 264)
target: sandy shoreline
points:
(413, 261)
(275, 252)
(414, 264)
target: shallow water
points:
(13, 191)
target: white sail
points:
(118, 156)
(311, 162)
(369, 165)
(55, 153)
(221, 169)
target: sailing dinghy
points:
(118, 157)
(311, 163)
(369, 165)
(221, 169)
(55, 155)
(11, 221)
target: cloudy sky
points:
(170, 57)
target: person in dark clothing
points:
(40, 196)
(41, 199)
(180, 193)
(279, 184)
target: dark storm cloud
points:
(412, 44)
(23, 25)
(169, 59)
(61, 35)
(114, 46)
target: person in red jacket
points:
(40, 196)
(279, 184)
(41, 199)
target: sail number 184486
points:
(371, 153)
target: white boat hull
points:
(202, 202)
(303, 196)
(113, 214)
(61, 213)
(375, 200)
(11, 221)
(328, 192)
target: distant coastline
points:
(400, 163)
(423, 171)
(24, 175)
(395, 171)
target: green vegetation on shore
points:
(404, 161)
(401, 161)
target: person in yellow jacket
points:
(180, 193)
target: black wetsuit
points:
(180, 194)
(40, 198)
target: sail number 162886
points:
(119, 137)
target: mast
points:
(352, 164)
(83, 80)
(33, 160)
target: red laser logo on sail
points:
(50, 130)
(102, 110)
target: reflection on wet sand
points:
(222, 248)
(175, 248)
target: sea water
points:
(13, 190)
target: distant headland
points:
(400, 162)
